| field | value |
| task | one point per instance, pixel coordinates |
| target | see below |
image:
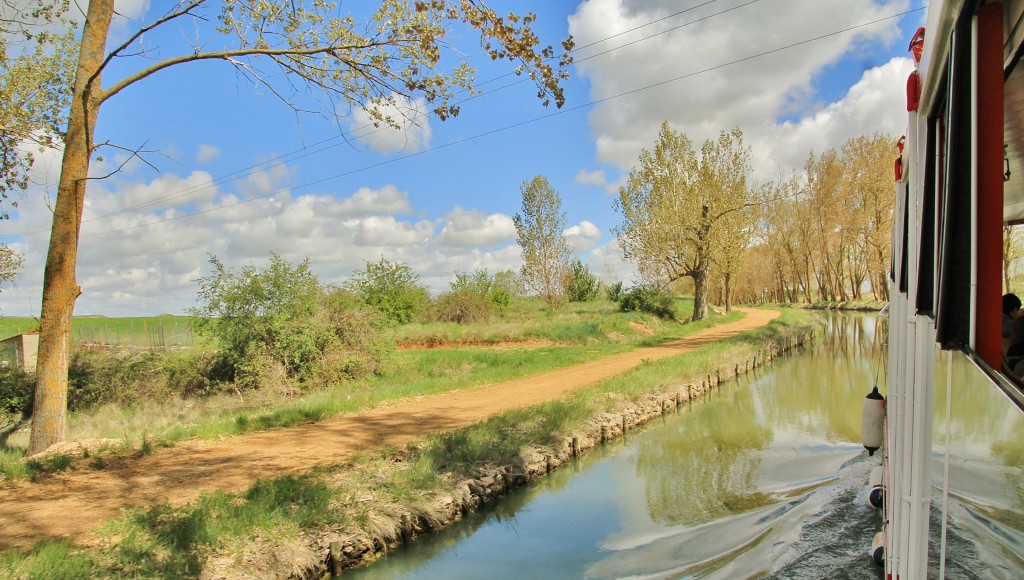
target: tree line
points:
(699, 218)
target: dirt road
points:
(73, 504)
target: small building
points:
(20, 350)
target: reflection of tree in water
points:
(705, 470)
(821, 391)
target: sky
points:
(232, 172)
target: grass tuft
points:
(48, 559)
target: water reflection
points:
(715, 447)
(764, 478)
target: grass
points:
(373, 491)
(581, 332)
(142, 332)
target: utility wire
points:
(369, 129)
(500, 129)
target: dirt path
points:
(72, 504)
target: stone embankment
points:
(327, 553)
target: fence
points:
(133, 334)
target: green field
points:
(150, 332)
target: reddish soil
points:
(72, 504)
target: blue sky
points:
(237, 174)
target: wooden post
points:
(406, 529)
(575, 446)
(336, 556)
(604, 433)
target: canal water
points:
(764, 477)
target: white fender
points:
(878, 549)
(872, 421)
(876, 490)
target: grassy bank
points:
(580, 332)
(381, 497)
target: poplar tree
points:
(36, 67)
(545, 251)
(291, 48)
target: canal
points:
(764, 477)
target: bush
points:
(260, 313)
(97, 377)
(582, 285)
(648, 299)
(16, 390)
(393, 289)
(476, 297)
(463, 306)
(614, 292)
(360, 344)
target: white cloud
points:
(383, 201)
(207, 153)
(412, 118)
(872, 104)
(473, 228)
(381, 231)
(591, 178)
(582, 236)
(711, 94)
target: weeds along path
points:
(71, 505)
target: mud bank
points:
(326, 553)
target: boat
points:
(953, 448)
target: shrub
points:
(463, 306)
(614, 291)
(391, 288)
(16, 390)
(476, 297)
(360, 344)
(260, 313)
(582, 285)
(648, 299)
(97, 377)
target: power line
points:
(504, 128)
(331, 142)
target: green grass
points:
(141, 332)
(580, 332)
(12, 466)
(48, 559)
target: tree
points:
(36, 67)
(391, 288)
(260, 310)
(279, 321)
(10, 263)
(539, 228)
(1013, 249)
(676, 205)
(315, 49)
(868, 160)
(582, 285)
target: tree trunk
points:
(60, 288)
(700, 294)
(728, 293)
(703, 266)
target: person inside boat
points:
(1011, 310)
(1013, 358)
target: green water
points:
(765, 477)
